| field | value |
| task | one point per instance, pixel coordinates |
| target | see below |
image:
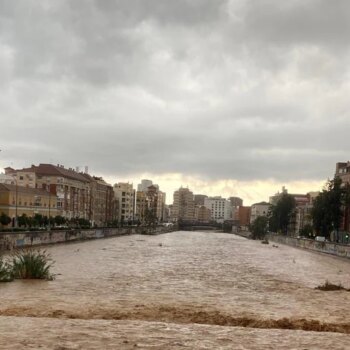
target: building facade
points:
(202, 213)
(220, 208)
(259, 209)
(183, 205)
(124, 194)
(71, 188)
(78, 194)
(243, 216)
(342, 171)
(18, 200)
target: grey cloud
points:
(221, 89)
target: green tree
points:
(150, 217)
(281, 213)
(38, 220)
(23, 220)
(306, 231)
(59, 220)
(259, 227)
(327, 211)
(4, 219)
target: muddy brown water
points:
(202, 290)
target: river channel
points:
(180, 290)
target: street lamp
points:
(49, 225)
(16, 201)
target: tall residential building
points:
(220, 208)
(101, 207)
(343, 171)
(183, 205)
(243, 215)
(149, 201)
(199, 199)
(124, 194)
(259, 209)
(236, 201)
(143, 186)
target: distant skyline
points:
(227, 97)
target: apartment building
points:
(220, 208)
(124, 194)
(78, 194)
(342, 170)
(236, 201)
(259, 209)
(101, 208)
(149, 199)
(183, 205)
(202, 213)
(18, 200)
(243, 215)
(199, 199)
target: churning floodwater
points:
(181, 290)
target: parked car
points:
(320, 239)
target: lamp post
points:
(16, 213)
(16, 202)
(49, 225)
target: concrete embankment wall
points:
(13, 240)
(337, 249)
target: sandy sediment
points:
(181, 315)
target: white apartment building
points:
(125, 195)
(143, 186)
(220, 208)
(259, 209)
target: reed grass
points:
(32, 264)
(6, 274)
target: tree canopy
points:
(327, 213)
(259, 227)
(281, 213)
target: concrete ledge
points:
(337, 249)
(14, 240)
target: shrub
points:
(5, 272)
(32, 264)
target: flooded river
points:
(181, 290)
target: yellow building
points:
(18, 200)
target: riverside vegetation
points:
(26, 264)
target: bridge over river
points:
(180, 290)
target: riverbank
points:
(337, 249)
(14, 240)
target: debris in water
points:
(328, 286)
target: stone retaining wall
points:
(14, 240)
(337, 249)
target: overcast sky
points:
(228, 97)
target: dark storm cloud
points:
(220, 89)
